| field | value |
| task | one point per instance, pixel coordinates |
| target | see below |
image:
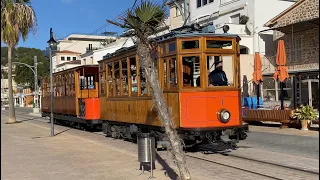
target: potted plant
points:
(305, 114)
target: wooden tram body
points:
(76, 97)
(126, 102)
(120, 100)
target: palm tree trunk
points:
(146, 62)
(12, 116)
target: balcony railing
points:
(92, 49)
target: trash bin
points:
(146, 148)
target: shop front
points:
(301, 88)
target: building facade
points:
(62, 58)
(245, 18)
(92, 57)
(298, 26)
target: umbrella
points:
(281, 71)
(257, 74)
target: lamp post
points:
(34, 69)
(51, 44)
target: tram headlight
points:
(224, 116)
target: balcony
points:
(88, 49)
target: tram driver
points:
(218, 77)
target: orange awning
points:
(257, 73)
(281, 71)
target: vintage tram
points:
(75, 97)
(120, 99)
(202, 112)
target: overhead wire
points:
(105, 25)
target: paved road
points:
(289, 144)
(70, 140)
(303, 146)
(24, 109)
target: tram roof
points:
(177, 34)
(78, 67)
(172, 35)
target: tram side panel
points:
(137, 110)
(201, 109)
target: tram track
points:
(266, 170)
(256, 167)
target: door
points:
(309, 92)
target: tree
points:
(17, 19)
(144, 20)
(23, 75)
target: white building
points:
(92, 57)
(245, 18)
(61, 59)
(68, 50)
(82, 43)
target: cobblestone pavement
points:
(104, 158)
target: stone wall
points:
(302, 49)
(307, 10)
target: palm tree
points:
(143, 21)
(17, 19)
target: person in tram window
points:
(218, 77)
(186, 80)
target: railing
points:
(92, 49)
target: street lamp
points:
(34, 69)
(51, 44)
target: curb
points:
(35, 114)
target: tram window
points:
(219, 44)
(102, 81)
(67, 87)
(101, 65)
(117, 78)
(124, 77)
(220, 70)
(91, 80)
(172, 46)
(173, 73)
(165, 74)
(164, 49)
(72, 85)
(191, 44)
(110, 80)
(191, 71)
(133, 76)
(143, 83)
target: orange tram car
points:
(115, 95)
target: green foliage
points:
(24, 75)
(305, 113)
(144, 19)
(17, 19)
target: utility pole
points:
(52, 43)
(36, 94)
(34, 69)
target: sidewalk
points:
(286, 131)
(28, 153)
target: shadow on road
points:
(62, 132)
(169, 171)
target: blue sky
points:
(73, 16)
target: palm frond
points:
(143, 19)
(17, 19)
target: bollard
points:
(146, 151)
